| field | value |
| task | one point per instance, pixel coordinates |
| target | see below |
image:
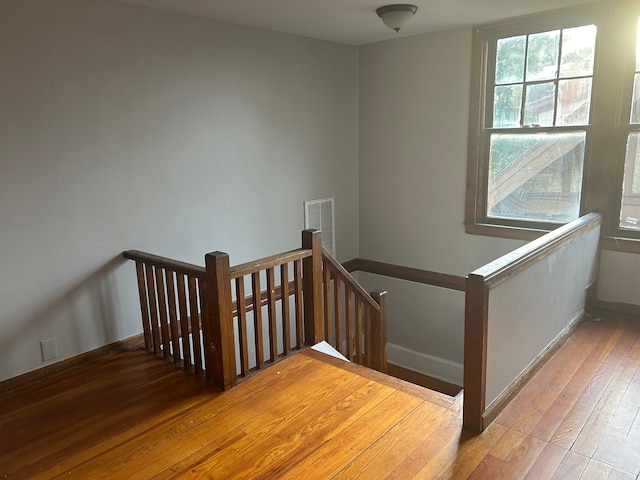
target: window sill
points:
(610, 243)
(619, 244)
(504, 231)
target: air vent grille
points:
(319, 215)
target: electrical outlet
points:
(49, 349)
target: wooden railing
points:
(253, 314)
(171, 295)
(518, 311)
(410, 274)
(355, 322)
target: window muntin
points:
(541, 89)
(630, 204)
(609, 122)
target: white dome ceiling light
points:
(395, 16)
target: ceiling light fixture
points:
(395, 16)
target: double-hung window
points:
(546, 136)
(629, 219)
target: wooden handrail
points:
(417, 275)
(327, 257)
(166, 263)
(272, 261)
(496, 272)
(236, 271)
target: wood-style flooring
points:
(131, 415)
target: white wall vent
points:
(319, 215)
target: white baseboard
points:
(435, 367)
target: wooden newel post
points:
(379, 333)
(476, 324)
(312, 287)
(217, 324)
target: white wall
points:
(425, 326)
(123, 127)
(619, 277)
(414, 110)
(534, 307)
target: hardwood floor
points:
(131, 415)
(580, 413)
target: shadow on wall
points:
(82, 318)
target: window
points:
(546, 121)
(630, 203)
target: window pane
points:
(578, 47)
(635, 101)
(630, 211)
(506, 106)
(539, 103)
(542, 57)
(510, 59)
(638, 47)
(574, 98)
(535, 177)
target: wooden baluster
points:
(153, 308)
(184, 323)
(367, 358)
(286, 317)
(205, 322)
(162, 307)
(379, 333)
(326, 295)
(242, 327)
(339, 306)
(312, 285)
(144, 305)
(358, 332)
(195, 324)
(297, 291)
(257, 319)
(348, 321)
(217, 326)
(173, 317)
(271, 313)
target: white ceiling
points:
(353, 21)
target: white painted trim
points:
(327, 349)
(436, 367)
